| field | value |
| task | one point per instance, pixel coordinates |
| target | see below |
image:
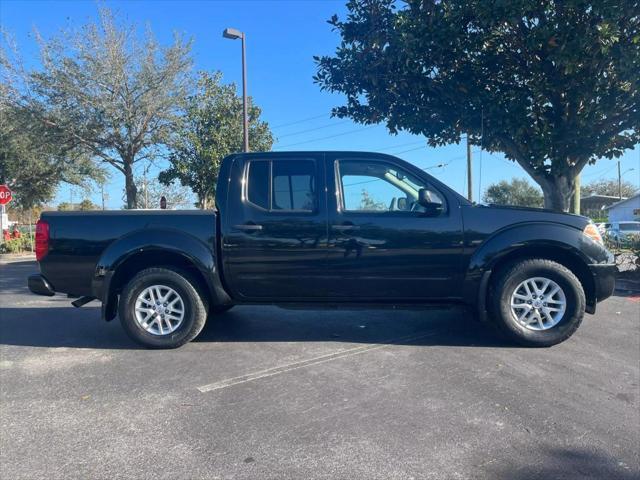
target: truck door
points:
(274, 235)
(382, 243)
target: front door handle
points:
(345, 227)
(249, 227)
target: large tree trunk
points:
(558, 191)
(130, 186)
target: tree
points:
(367, 202)
(65, 207)
(610, 188)
(517, 192)
(33, 165)
(103, 91)
(210, 130)
(151, 191)
(86, 205)
(552, 85)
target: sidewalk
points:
(16, 257)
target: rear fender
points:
(154, 242)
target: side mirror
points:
(431, 208)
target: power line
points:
(308, 119)
(401, 145)
(600, 174)
(299, 132)
(327, 137)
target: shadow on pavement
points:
(16, 281)
(82, 328)
(568, 464)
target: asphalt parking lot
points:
(271, 393)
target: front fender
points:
(563, 240)
(539, 234)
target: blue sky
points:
(282, 37)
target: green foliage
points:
(608, 187)
(210, 130)
(33, 164)
(517, 192)
(552, 85)
(367, 202)
(16, 245)
(151, 191)
(102, 92)
(87, 204)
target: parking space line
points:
(270, 372)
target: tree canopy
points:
(610, 188)
(33, 165)
(518, 192)
(552, 85)
(104, 91)
(210, 130)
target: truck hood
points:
(500, 215)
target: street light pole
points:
(234, 34)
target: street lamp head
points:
(232, 33)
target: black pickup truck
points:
(326, 228)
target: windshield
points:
(630, 227)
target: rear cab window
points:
(282, 185)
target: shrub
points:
(16, 245)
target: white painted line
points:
(270, 372)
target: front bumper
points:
(40, 286)
(604, 276)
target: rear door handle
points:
(250, 227)
(345, 227)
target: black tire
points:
(217, 309)
(195, 311)
(513, 275)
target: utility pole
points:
(469, 172)
(102, 194)
(619, 182)
(576, 196)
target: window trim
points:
(340, 193)
(245, 186)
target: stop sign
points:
(5, 195)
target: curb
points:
(12, 257)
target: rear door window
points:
(282, 185)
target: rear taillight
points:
(42, 239)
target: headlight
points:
(593, 233)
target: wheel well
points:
(155, 258)
(564, 257)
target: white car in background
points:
(603, 227)
(622, 232)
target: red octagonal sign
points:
(5, 195)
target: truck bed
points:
(78, 239)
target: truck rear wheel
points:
(538, 302)
(161, 308)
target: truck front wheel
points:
(161, 308)
(537, 302)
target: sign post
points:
(5, 197)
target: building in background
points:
(625, 210)
(595, 206)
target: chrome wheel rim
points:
(159, 310)
(538, 303)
